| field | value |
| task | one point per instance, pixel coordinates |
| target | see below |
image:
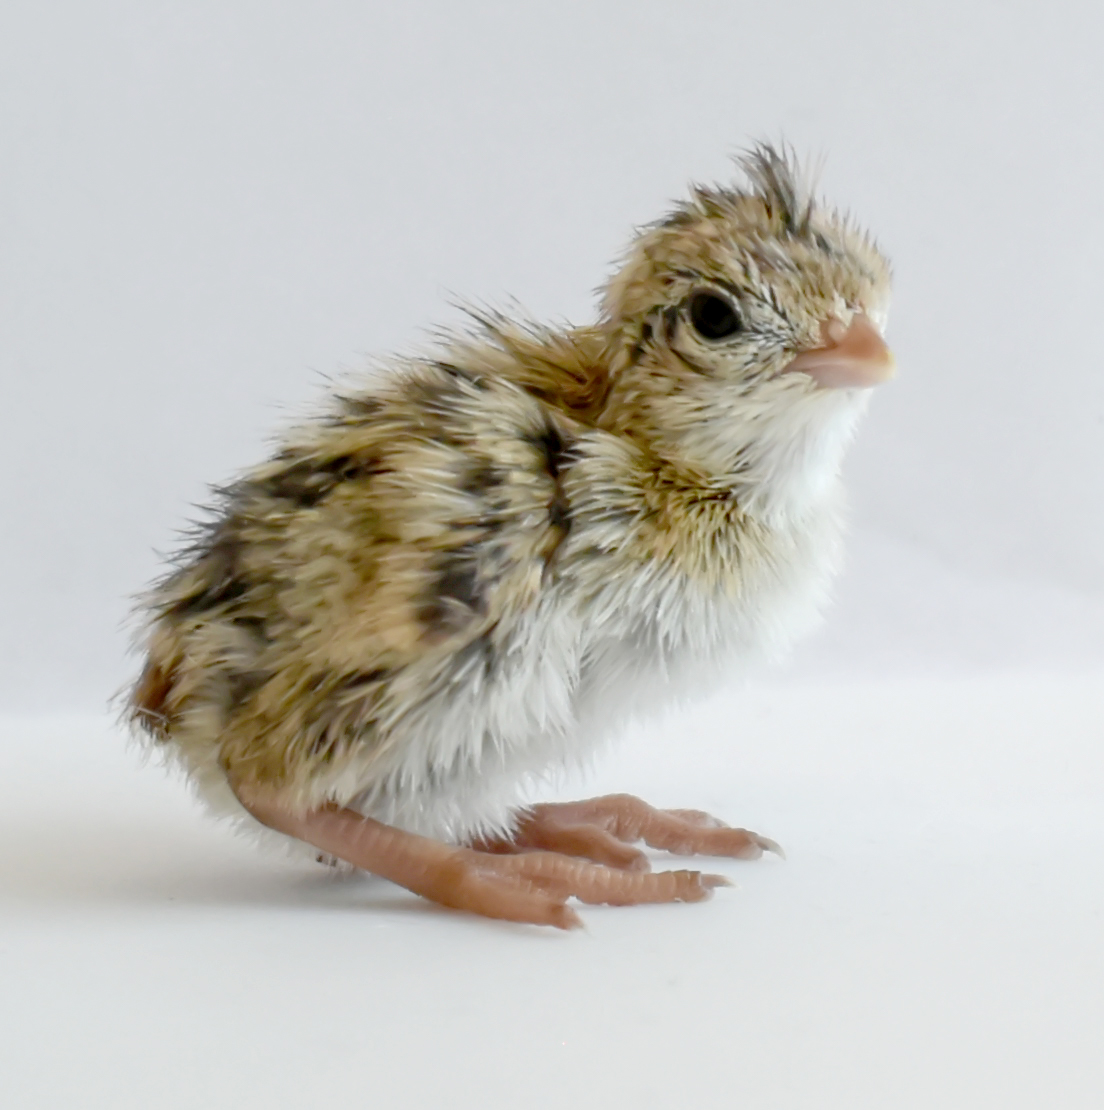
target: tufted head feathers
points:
(747, 330)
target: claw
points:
(699, 887)
(564, 917)
(757, 845)
(769, 845)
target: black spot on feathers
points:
(242, 685)
(216, 563)
(363, 682)
(552, 447)
(456, 596)
(556, 455)
(481, 479)
(306, 482)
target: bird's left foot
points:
(606, 829)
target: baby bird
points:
(461, 577)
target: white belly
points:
(571, 676)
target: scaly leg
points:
(604, 830)
(529, 887)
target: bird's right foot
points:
(535, 886)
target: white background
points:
(207, 207)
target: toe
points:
(694, 886)
(733, 843)
(596, 844)
(561, 876)
(562, 916)
(465, 882)
(745, 845)
(668, 886)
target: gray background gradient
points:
(207, 207)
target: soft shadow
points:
(69, 864)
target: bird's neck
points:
(778, 467)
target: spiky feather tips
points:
(784, 186)
(776, 201)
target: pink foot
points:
(605, 830)
(527, 886)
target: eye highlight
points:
(713, 317)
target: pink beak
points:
(854, 357)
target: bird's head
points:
(747, 331)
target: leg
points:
(532, 887)
(604, 829)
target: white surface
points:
(205, 206)
(932, 940)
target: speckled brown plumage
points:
(494, 535)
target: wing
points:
(341, 576)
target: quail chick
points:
(455, 580)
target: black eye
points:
(713, 317)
